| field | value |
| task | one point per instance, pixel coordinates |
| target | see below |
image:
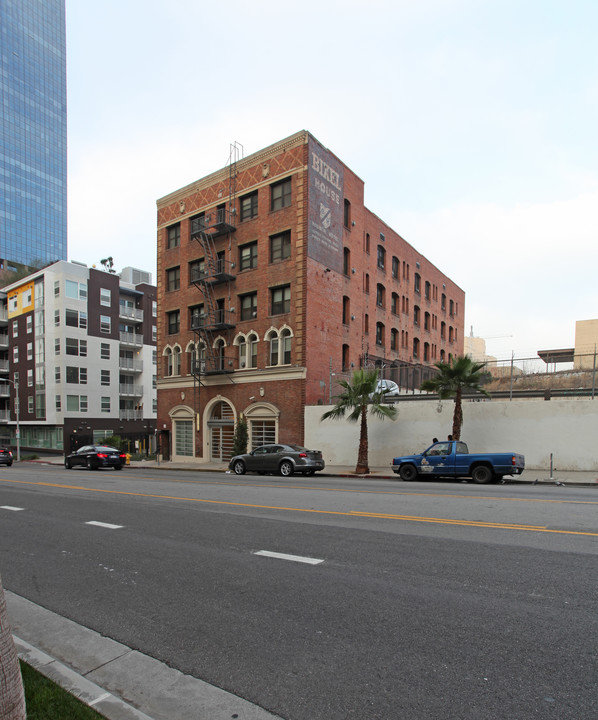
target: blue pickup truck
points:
(452, 459)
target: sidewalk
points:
(112, 678)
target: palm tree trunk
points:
(12, 698)
(362, 455)
(457, 416)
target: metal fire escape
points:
(214, 231)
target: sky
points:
(471, 122)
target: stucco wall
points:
(566, 428)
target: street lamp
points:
(18, 435)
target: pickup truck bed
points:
(452, 459)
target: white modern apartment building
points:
(80, 349)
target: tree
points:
(108, 264)
(12, 698)
(359, 395)
(450, 381)
(240, 437)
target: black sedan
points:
(96, 456)
(281, 459)
(5, 457)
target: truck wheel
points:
(407, 473)
(482, 474)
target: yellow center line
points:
(350, 513)
(502, 498)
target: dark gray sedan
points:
(279, 459)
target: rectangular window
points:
(281, 300)
(15, 328)
(83, 348)
(83, 403)
(105, 297)
(105, 351)
(56, 288)
(154, 333)
(29, 378)
(71, 289)
(154, 308)
(280, 194)
(71, 318)
(29, 323)
(58, 404)
(173, 279)
(197, 270)
(248, 256)
(248, 306)
(57, 346)
(248, 206)
(71, 346)
(105, 324)
(173, 321)
(280, 246)
(72, 403)
(57, 374)
(173, 234)
(57, 318)
(72, 375)
(29, 351)
(395, 268)
(15, 355)
(105, 405)
(104, 377)
(30, 404)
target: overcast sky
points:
(472, 123)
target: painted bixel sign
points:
(326, 206)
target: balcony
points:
(217, 320)
(212, 275)
(130, 390)
(130, 365)
(4, 315)
(217, 222)
(4, 390)
(3, 366)
(130, 314)
(4, 416)
(130, 414)
(4, 341)
(132, 339)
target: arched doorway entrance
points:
(183, 433)
(221, 429)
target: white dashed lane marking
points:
(10, 507)
(293, 558)
(104, 525)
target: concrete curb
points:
(117, 681)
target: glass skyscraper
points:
(33, 170)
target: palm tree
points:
(450, 381)
(360, 394)
(12, 699)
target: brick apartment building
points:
(274, 281)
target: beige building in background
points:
(586, 343)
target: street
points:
(323, 597)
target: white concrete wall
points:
(567, 428)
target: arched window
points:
(415, 347)
(167, 362)
(379, 333)
(252, 341)
(176, 361)
(280, 346)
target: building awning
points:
(557, 356)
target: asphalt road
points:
(431, 599)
